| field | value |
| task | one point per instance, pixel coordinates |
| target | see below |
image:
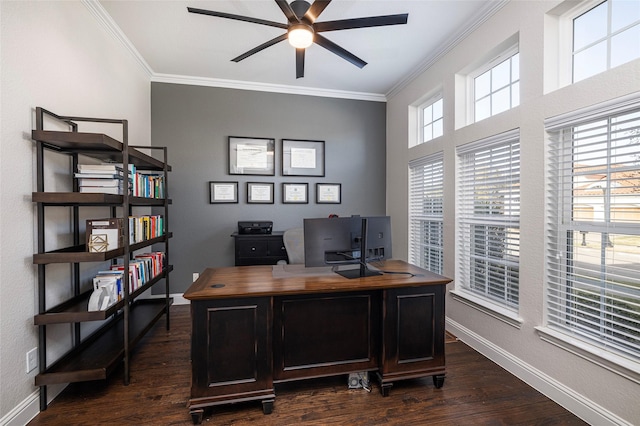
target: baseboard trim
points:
(582, 407)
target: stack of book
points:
(102, 178)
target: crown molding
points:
(490, 8)
(112, 28)
(265, 87)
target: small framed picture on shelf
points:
(223, 192)
(295, 193)
(302, 158)
(328, 193)
(260, 192)
(251, 156)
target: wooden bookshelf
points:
(94, 356)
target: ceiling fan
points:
(303, 30)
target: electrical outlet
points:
(32, 360)
(195, 276)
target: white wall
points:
(591, 392)
(55, 54)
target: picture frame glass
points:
(223, 192)
(328, 193)
(295, 193)
(302, 158)
(251, 156)
(260, 192)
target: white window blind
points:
(593, 262)
(489, 218)
(426, 177)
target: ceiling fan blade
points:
(344, 54)
(288, 11)
(237, 17)
(261, 47)
(300, 63)
(372, 21)
(315, 10)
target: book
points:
(104, 234)
(99, 182)
(100, 168)
(100, 175)
(102, 189)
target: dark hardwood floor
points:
(476, 392)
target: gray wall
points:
(195, 122)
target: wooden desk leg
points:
(438, 380)
(196, 415)
(267, 406)
(384, 386)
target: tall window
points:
(605, 36)
(593, 282)
(431, 120)
(489, 219)
(425, 212)
(496, 87)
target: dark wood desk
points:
(251, 330)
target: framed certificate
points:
(251, 156)
(223, 192)
(328, 193)
(260, 192)
(302, 158)
(295, 193)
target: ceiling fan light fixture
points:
(300, 36)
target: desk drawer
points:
(253, 248)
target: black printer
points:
(255, 227)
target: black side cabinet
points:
(259, 249)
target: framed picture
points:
(328, 193)
(251, 156)
(223, 192)
(260, 192)
(295, 193)
(302, 158)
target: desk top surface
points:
(251, 281)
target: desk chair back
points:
(294, 244)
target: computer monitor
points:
(341, 241)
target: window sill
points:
(622, 366)
(496, 311)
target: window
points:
(489, 219)
(430, 120)
(605, 36)
(425, 212)
(593, 280)
(496, 87)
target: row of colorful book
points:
(108, 178)
(108, 284)
(108, 234)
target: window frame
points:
(566, 40)
(507, 54)
(421, 122)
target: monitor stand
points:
(361, 272)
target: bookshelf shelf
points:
(95, 355)
(79, 253)
(75, 309)
(92, 199)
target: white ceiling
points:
(181, 46)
